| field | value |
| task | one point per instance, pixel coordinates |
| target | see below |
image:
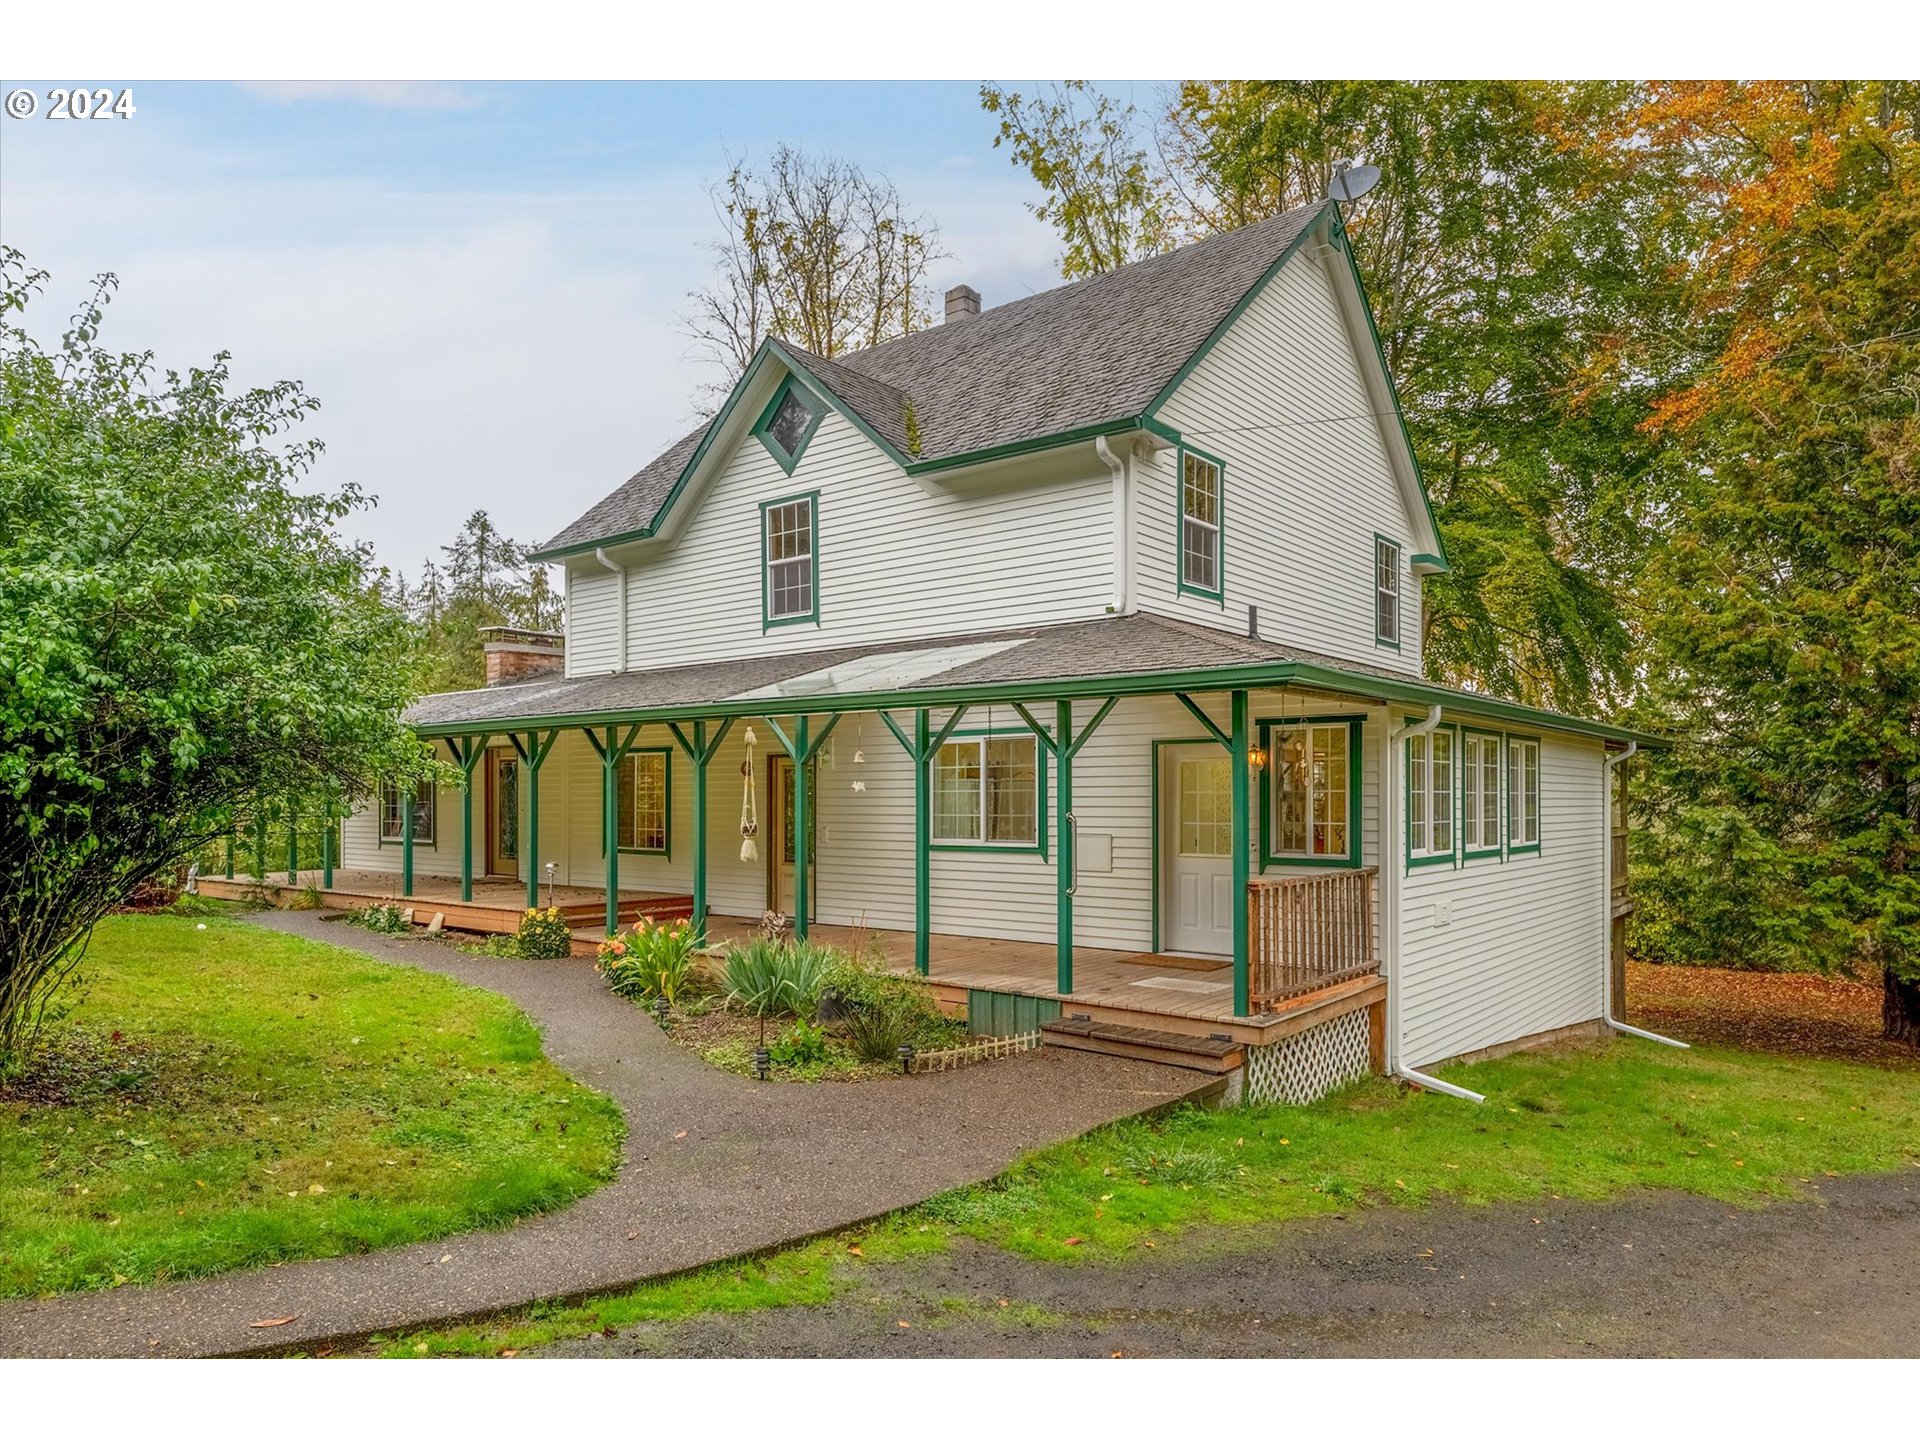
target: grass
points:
(235, 1097)
(1589, 1121)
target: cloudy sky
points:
(479, 282)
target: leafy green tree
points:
(181, 631)
(1783, 593)
(487, 581)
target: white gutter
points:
(600, 554)
(1606, 906)
(1122, 524)
(1390, 876)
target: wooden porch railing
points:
(1306, 932)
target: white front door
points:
(1196, 848)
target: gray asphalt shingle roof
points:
(1095, 351)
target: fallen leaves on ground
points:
(1787, 1014)
(272, 1321)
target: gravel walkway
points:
(759, 1166)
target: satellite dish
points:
(1351, 181)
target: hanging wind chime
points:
(859, 756)
(749, 816)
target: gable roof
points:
(1091, 357)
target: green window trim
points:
(1038, 846)
(1381, 593)
(768, 620)
(1517, 847)
(1183, 586)
(763, 427)
(1450, 856)
(623, 797)
(1497, 850)
(432, 796)
(1352, 860)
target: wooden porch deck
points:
(1166, 992)
(495, 909)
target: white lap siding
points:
(1520, 953)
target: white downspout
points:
(1122, 524)
(600, 554)
(1391, 872)
(1606, 905)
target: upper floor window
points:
(788, 422)
(1200, 524)
(986, 791)
(1430, 796)
(1523, 794)
(1312, 791)
(641, 787)
(789, 538)
(392, 820)
(1386, 592)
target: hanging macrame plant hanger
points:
(749, 815)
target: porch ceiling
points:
(1117, 655)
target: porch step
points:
(1214, 1054)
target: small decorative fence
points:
(1307, 932)
(987, 1047)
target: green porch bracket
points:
(467, 753)
(533, 752)
(1239, 749)
(921, 749)
(1064, 745)
(1205, 722)
(802, 751)
(612, 750)
(700, 749)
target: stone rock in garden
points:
(407, 915)
(435, 925)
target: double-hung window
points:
(986, 791)
(1523, 794)
(1479, 794)
(392, 816)
(1430, 796)
(789, 540)
(640, 786)
(1312, 794)
(1200, 521)
(1386, 592)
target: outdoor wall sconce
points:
(1257, 758)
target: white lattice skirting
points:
(1303, 1067)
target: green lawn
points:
(246, 1097)
(1586, 1121)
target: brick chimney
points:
(962, 301)
(514, 655)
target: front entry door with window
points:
(503, 814)
(1196, 850)
(780, 853)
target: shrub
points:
(386, 919)
(503, 947)
(768, 978)
(805, 1044)
(652, 961)
(544, 935)
(880, 1011)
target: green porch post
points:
(409, 801)
(326, 845)
(468, 750)
(921, 749)
(801, 751)
(611, 752)
(260, 841)
(533, 754)
(1242, 829)
(700, 750)
(293, 843)
(1065, 860)
(230, 836)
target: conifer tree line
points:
(482, 578)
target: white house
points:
(1072, 649)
